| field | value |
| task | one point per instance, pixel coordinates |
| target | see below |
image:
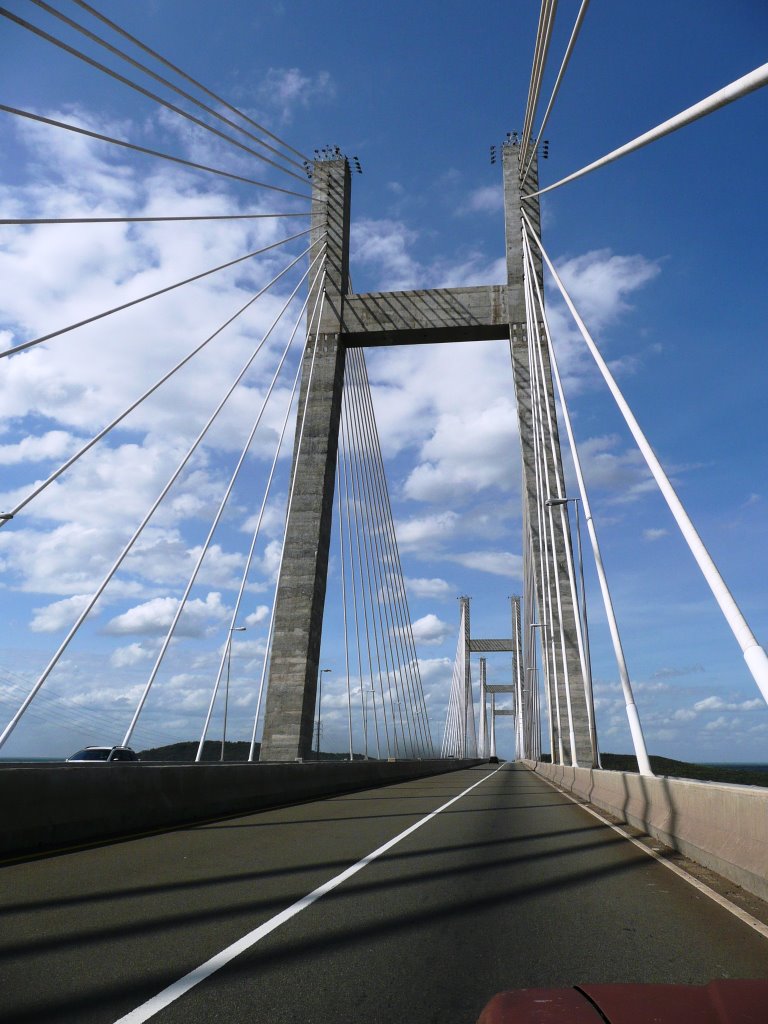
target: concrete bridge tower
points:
(462, 314)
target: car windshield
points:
(95, 754)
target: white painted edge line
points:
(726, 904)
(205, 970)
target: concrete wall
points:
(723, 827)
(51, 806)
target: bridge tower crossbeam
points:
(404, 318)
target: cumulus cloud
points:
(152, 618)
(434, 669)
(601, 281)
(423, 531)
(431, 630)
(59, 614)
(386, 247)
(468, 453)
(130, 655)
(718, 704)
(258, 616)
(434, 588)
(684, 715)
(487, 199)
(54, 444)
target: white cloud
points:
(468, 452)
(424, 531)
(486, 199)
(497, 563)
(152, 618)
(684, 715)
(59, 614)
(258, 616)
(286, 89)
(655, 533)
(433, 669)
(386, 245)
(55, 444)
(718, 704)
(431, 630)
(600, 281)
(130, 655)
(623, 475)
(434, 588)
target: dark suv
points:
(104, 754)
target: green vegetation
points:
(740, 775)
(187, 751)
(233, 751)
(749, 775)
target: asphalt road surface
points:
(510, 886)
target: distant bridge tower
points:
(416, 317)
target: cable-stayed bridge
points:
(326, 508)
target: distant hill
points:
(749, 775)
(186, 752)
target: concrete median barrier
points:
(721, 826)
(52, 806)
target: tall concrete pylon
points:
(559, 633)
(300, 597)
(397, 318)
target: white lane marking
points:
(726, 904)
(179, 988)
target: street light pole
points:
(233, 629)
(319, 705)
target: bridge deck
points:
(511, 886)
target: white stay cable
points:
(342, 461)
(547, 434)
(150, 391)
(224, 500)
(580, 627)
(342, 557)
(376, 487)
(289, 506)
(543, 9)
(402, 610)
(130, 83)
(549, 658)
(356, 446)
(635, 727)
(741, 87)
(558, 80)
(193, 81)
(537, 304)
(754, 654)
(350, 489)
(251, 551)
(151, 295)
(450, 735)
(158, 78)
(128, 547)
(546, 24)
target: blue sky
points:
(664, 252)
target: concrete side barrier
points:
(721, 826)
(51, 806)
